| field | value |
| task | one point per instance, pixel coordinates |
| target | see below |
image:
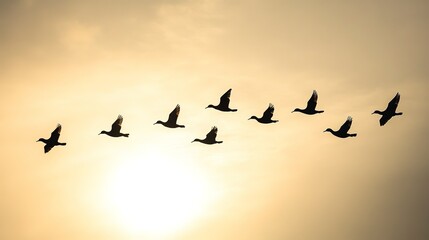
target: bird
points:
(390, 111)
(53, 140)
(172, 119)
(116, 129)
(343, 131)
(210, 137)
(311, 105)
(266, 117)
(224, 103)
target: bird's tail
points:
(126, 134)
(353, 135)
(233, 110)
(62, 144)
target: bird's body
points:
(172, 119)
(116, 129)
(224, 103)
(267, 116)
(311, 105)
(210, 137)
(343, 131)
(390, 111)
(53, 140)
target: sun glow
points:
(155, 195)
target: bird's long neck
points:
(253, 117)
(298, 110)
(378, 112)
(330, 130)
(43, 140)
(160, 122)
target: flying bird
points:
(210, 137)
(311, 105)
(224, 103)
(390, 111)
(343, 131)
(172, 119)
(53, 140)
(266, 117)
(116, 129)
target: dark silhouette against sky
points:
(390, 111)
(53, 140)
(267, 116)
(172, 119)
(115, 131)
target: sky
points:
(82, 63)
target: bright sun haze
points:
(156, 195)
(81, 63)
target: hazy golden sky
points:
(81, 63)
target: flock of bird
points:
(223, 106)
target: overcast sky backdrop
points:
(81, 63)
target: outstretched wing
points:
(211, 136)
(116, 126)
(312, 102)
(346, 126)
(48, 147)
(55, 135)
(393, 104)
(174, 114)
(225, 99)
(268, 114)
(384, 118)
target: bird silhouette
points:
(390, 111)
(116, 129)
(311, 105)
(210, 137)
(172, 119)
(266, 117)
(342, 132)
(53, 140)
(224, 103)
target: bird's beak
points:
(293, 111)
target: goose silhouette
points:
(172, 119)
(116, 129)
(53, 140)
(342, 132)
(266, 117)
(311, 105)
(390, 111)
(210, 137)
(224, 103)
